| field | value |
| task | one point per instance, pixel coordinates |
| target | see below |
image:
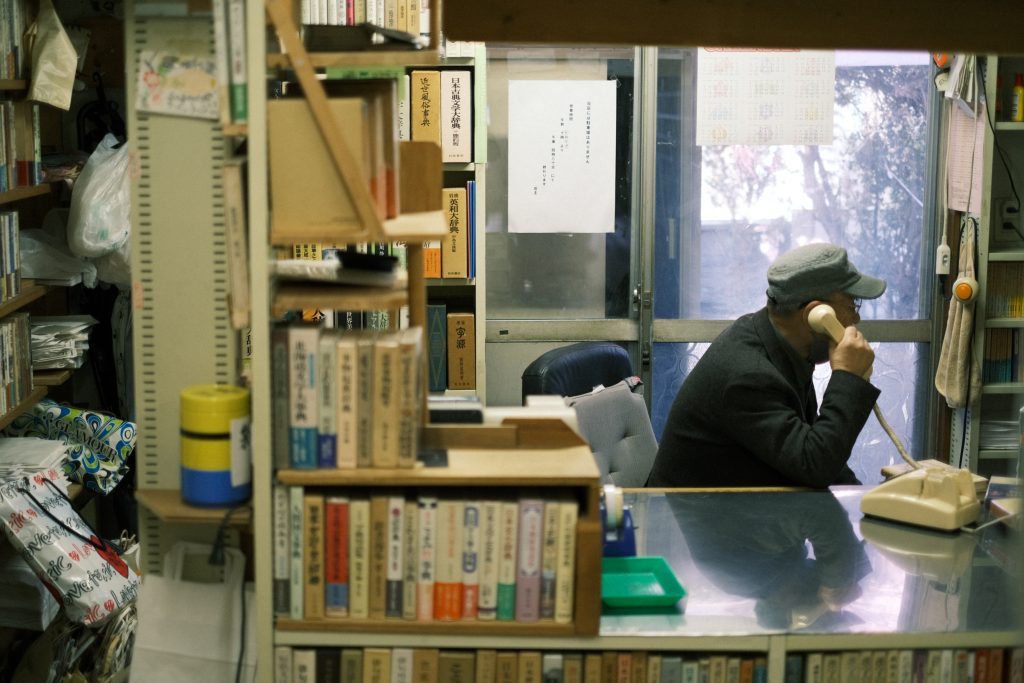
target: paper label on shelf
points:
(240, 451)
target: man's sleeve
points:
(766, 417)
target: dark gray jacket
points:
(743, 417)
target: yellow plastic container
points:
(215, 452)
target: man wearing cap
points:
(747, 414)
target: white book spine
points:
(295, 513)
(425, 572)
(282, 664)
(359, 558)
(470, 559)
(303, 665)
(395, 562)
(303, 343)
(403, 107)
(490, 530)
(565, 571)
(401, 665)
(456, 117)
(282, 550)
(347, 399)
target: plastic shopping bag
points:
(100, 217)
(86, 575)
(98, 445)
(54, 59)
(191, 630)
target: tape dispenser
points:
(617, 524)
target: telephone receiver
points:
(823, 320)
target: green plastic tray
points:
(639, 582)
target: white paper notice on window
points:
(765, 97)
(561, 156)
(965, 159)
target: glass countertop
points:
(763, 563)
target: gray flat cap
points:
(814, 271)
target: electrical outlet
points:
(1008, 224)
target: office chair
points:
(613, 420)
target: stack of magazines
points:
(60, 342)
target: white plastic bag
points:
(54, 59)
(100, 219)
(85, 573)
(45, 258)
(191, 630)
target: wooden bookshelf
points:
(19, 193)
(535, 454)
(13, 84)
(168, 506)
(293, 296)
(326, 60)
(24, 405)
(235, 129)
(51, 378)
(30, 291)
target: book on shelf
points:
(378, 558)
(313, 556)
(237, 74)
(471, 227)
(425, 106)
(359, 558)
(470, 559)
(437, 346)
(336, 531)
(455, 245)
(531, 539)
(432, 258)
(297, 544)
(461, 337)
(233, 179)
(353, 397)
(410, 557)
(456, 92)
(281, 550)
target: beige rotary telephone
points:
(941, 497)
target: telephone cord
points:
(895, 439)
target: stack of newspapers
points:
(25, 456)
(60, 342)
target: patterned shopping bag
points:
(98, 445)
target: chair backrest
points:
(576, 369)
(615, 423)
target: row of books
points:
(982, 665)
(14, 55)
(451, 349)
(10, 256)
(410, 16)
(1002, 360)
(430, 665)
(1004, 297)
(15, 361)
(346, 398)
(20, 153)
(422, 556)
(455, 255)
(436, 105)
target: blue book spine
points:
(304, 447)
(471, 223)
(327, 452)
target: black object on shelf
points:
(365, 36)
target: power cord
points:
(217, 559)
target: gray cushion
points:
(615, 423)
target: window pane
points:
(559, 276)
(717, 233)
(901, 372)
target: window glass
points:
(901, 372)
(557, 276)
(725, 212)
